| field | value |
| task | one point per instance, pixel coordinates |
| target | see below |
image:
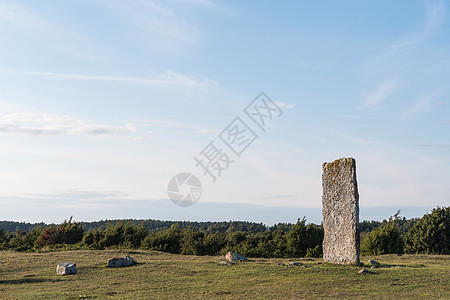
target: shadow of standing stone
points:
(340, 211)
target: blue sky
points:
(103, 102)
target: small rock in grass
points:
(225, 263)
(126, 261)
(234, 257)
(66, 268)
(293, 264)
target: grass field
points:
(167, 276)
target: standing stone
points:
(340, 211)
(66, 268)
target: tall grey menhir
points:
(340, 211)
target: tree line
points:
(156, 225)
(429, 234)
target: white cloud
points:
(24, 124)
(139, 122)
(317, 66)
(52, 124)
(164, 78)
(285, 105)
(433, 146)
(380, 93)
(207, 131)
(198, 2)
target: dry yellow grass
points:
(167, 276)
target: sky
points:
(103, 102)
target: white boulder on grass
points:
(66, 268)
(126, 261)
(234, 257)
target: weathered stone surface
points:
(340, 211)
(234, 257)
(66, 268)
(126, 261)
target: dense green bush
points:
(314, 252)
(4, 239)
(253, 244)
(192, 242)
(66, 233)
(431, 234)
(168, 240)
(279, 244)
(123, 235)
(93, 239)
(383, 240)
(25, 241)
(303, 237)
(214, 242)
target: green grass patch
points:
(169, 276)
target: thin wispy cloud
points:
(141, 122)
(164, 78)
(380, 93)
(435, 15)
(315, 66)
(434, 145)
(78, 199)
(402, 60)
(17, 20)
(160, 24)
(207, 131)
(78, 195)
(198, 2)
(422, 105)
(398, 53)
(51, 124)
(281, 196)
(161, 124)
(285, 105)
(26, 124)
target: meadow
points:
(161, 275)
